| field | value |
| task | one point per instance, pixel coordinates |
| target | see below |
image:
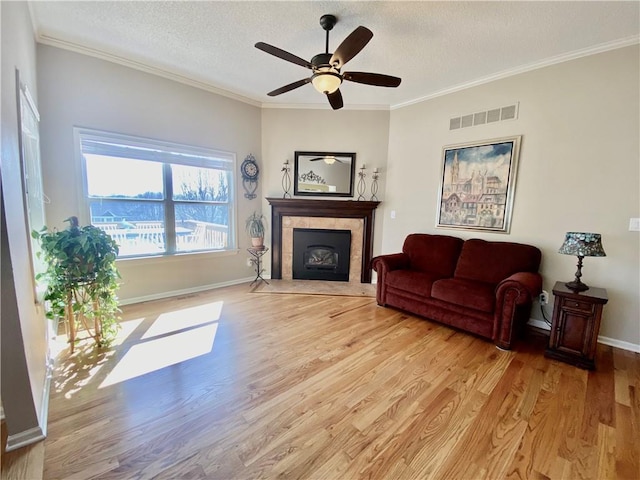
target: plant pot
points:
(52, 327)
(257, 242)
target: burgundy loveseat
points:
(485, 288)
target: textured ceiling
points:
(434, 47)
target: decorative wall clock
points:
(250, 172)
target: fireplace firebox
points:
(320, 254)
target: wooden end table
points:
(575, 325)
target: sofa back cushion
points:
(433, 253)
(492, 262)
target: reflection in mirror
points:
(324, 174)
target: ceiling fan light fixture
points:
(326, 82)
(329, 160)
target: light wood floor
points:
(322, 387)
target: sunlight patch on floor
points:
(172, 338)
(61, 341)
(185, 318)
(162, 352)
(75, 384)
(126, 329)
(86, 354)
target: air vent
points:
(467, 121)
(509, 112)
(493, 115)
(480, 118)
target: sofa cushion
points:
(433, 253)
(465, 293)
(492, 262)
(418, 283)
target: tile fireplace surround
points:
(290, 213)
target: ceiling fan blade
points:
(289, 87)
(351, 46)
(335, 99)
(376, 79)
(278, 52)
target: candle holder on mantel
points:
(374, 184)
(362, 186)
(286, 179)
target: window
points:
(158, 198)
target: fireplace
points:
(321, 254)
(290, 213)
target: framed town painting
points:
(477, 185)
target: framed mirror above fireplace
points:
(328, 174)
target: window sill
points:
(176, 257)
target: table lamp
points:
(582, 245)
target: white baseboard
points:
(612, 342)
(25, 438)
(35, 434)
(43, 420)
(534, 322)
(186, 291)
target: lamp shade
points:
(582, 244)
(326, 82)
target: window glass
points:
(201, 227)
(156, 198)
(137, 227)
(195, 183)
(123, 177)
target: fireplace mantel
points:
(294, 207)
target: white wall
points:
(579, 170)
(24, 346)
(77, 90)
(285, 131)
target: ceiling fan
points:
(326, 77)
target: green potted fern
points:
(255, 229)
(81, 280)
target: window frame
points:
(194, 156)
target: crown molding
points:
(604, 47)
(172, 75)
(322, 106)
(161, 72)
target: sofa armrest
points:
(514, 296)
(384, 264)
(393, 261)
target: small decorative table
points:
(256, 260)
(575, 325)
